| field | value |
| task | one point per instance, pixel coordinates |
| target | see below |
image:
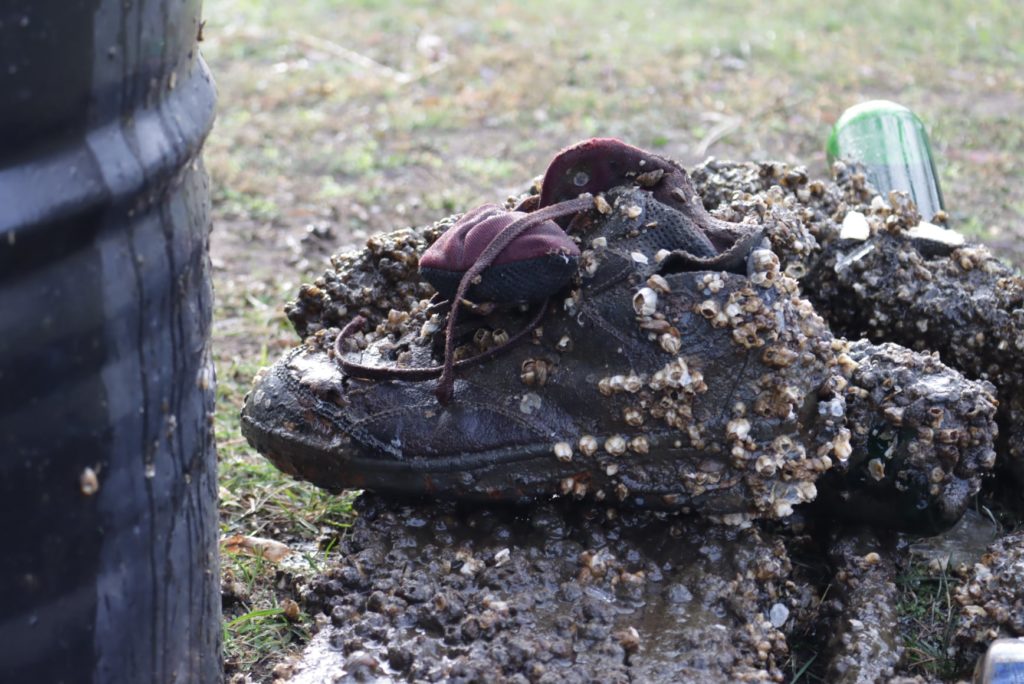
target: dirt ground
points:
(340, 118)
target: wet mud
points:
(865, 645)
(556, 592)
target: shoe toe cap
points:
(286, 418)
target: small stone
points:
(290, 610)
(929, 231)
(629, 639)
(855, 227)
(282, 671)
(778, 614)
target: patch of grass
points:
(256, 207)
(258, 628)
(252, 637)
(928, 619)
(801, 671)
(259, 500)
(256, 499)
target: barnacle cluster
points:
(371, 282)
(991, 599)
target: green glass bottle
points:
(892, 144)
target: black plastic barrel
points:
(108, 517)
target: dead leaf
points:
(255, 546)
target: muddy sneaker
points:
(678, 367)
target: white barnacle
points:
(639, 445)
(431, 326)
(765, 465)
(658, 283)
(670, 343)
(764, 260)
(806, 490)
(88, 482)
(645, 301)
(841, 446)
(563, 451)
(677, 374)
(589, 262)
(737, 428)
(615, 445)
(534, 372)
(633, 416)
(708, 308)
(876, 469)
(588, 445)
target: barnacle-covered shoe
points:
(928, 289)
(678, 368)
(873, 270)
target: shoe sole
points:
(276, 424)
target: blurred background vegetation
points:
(339, 118)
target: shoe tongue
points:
(643, 225)
(640, 226)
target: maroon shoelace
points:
(446, 371)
